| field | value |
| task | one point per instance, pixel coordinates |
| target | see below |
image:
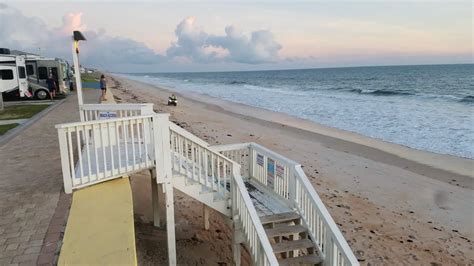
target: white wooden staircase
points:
(271, 205)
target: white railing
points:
(244, 212)
(287, 179)
(192, 158)
(322, 227)
(92, 112)
(238, 153)
(104, 149)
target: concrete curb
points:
(11, 134)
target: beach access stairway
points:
(271, 205)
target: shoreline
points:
(423, 162)
(386, 210)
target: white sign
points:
(107, 115)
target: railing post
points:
(63, 149)
(251, 162)
(162, 152)
(237, 235)
(292, 185)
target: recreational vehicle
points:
(13, 78)
(38, 70)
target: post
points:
(170, 225)
(292, 185)
(158, 201)
(77, 74)
(251, 163)
(1, 101)
(63, 149)
(205, 216)
(237, 234)
(161, 137)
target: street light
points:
(77, 36)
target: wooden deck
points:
(265, 202)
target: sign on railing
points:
(287, 179)
(93, 112)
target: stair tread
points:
(292, 245)
(280, 217)
(285, 230)
(305, 259)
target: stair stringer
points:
(197, 192)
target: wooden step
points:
(285, 230)
(305, 259)
(286, 246)
(280, 218)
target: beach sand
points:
(393, 204)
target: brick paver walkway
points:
(33, 208)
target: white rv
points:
(13, 78)
(38, 70)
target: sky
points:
(175, 36)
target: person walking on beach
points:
(103, 87)
(51, 86)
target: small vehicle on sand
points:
(172, 100)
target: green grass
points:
(89, 80)
(91, 77)
(21, 111)
(5, 128)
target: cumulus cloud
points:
(192, 45)
(235, 46)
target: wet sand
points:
(394, 205)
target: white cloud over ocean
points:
(235, 46)
(192, 45)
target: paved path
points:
(33, 209)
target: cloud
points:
(234, 46)
(29, 34)
(192, 45)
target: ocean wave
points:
(236, 82)
(381, 92)
(467, 99)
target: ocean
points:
(429, 107)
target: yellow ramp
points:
(100, 228)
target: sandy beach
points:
(394, 205)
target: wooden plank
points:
(306, 259)
(280, 217)
(285, 230)
(286, 246)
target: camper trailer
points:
(13, 78)
(38, 70)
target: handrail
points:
(305, 192)
(183, 132)
(114, 106)
(286, 178)
(231, 147)
(240, 199)
(201, 163)
(97, 122)
(271, 153)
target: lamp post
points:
(77, 36)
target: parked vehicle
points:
(38, 70)
(13, 78)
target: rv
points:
(38, 70)
(13, 79)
